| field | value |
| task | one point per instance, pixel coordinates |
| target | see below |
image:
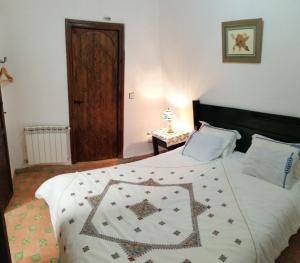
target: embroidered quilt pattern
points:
(130, 213)
(145, 208)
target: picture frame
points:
(242, 41)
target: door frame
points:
(69, 25)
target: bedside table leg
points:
(155, 146)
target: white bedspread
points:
(171, 208)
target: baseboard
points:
(80, 165)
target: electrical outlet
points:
(149, 136)
(107, 18)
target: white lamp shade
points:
(168, 115)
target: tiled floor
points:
(29, 228)
(28, 223)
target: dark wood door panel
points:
(5, 176)
(6, 189)
(95, 95)
(95, 76)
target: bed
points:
(171, 208)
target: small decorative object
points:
(168, 116)
(242, 41)
(5, 77)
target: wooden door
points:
(95, 54)
(6, 189)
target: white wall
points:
(10, 100)
(191, 50)
(35, 36)
(173, 50)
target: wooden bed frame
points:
(278, 127)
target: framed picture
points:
(242, 41)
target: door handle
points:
(78, 102)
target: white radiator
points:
(47, 144)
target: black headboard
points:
(278, 127)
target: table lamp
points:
(169, 116)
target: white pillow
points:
(261, 138)
(203, 147)
(297, 170)
(271, 161)
(229, 136)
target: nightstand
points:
(169, 141)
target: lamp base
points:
(170, 129)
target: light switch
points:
(131, 95)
